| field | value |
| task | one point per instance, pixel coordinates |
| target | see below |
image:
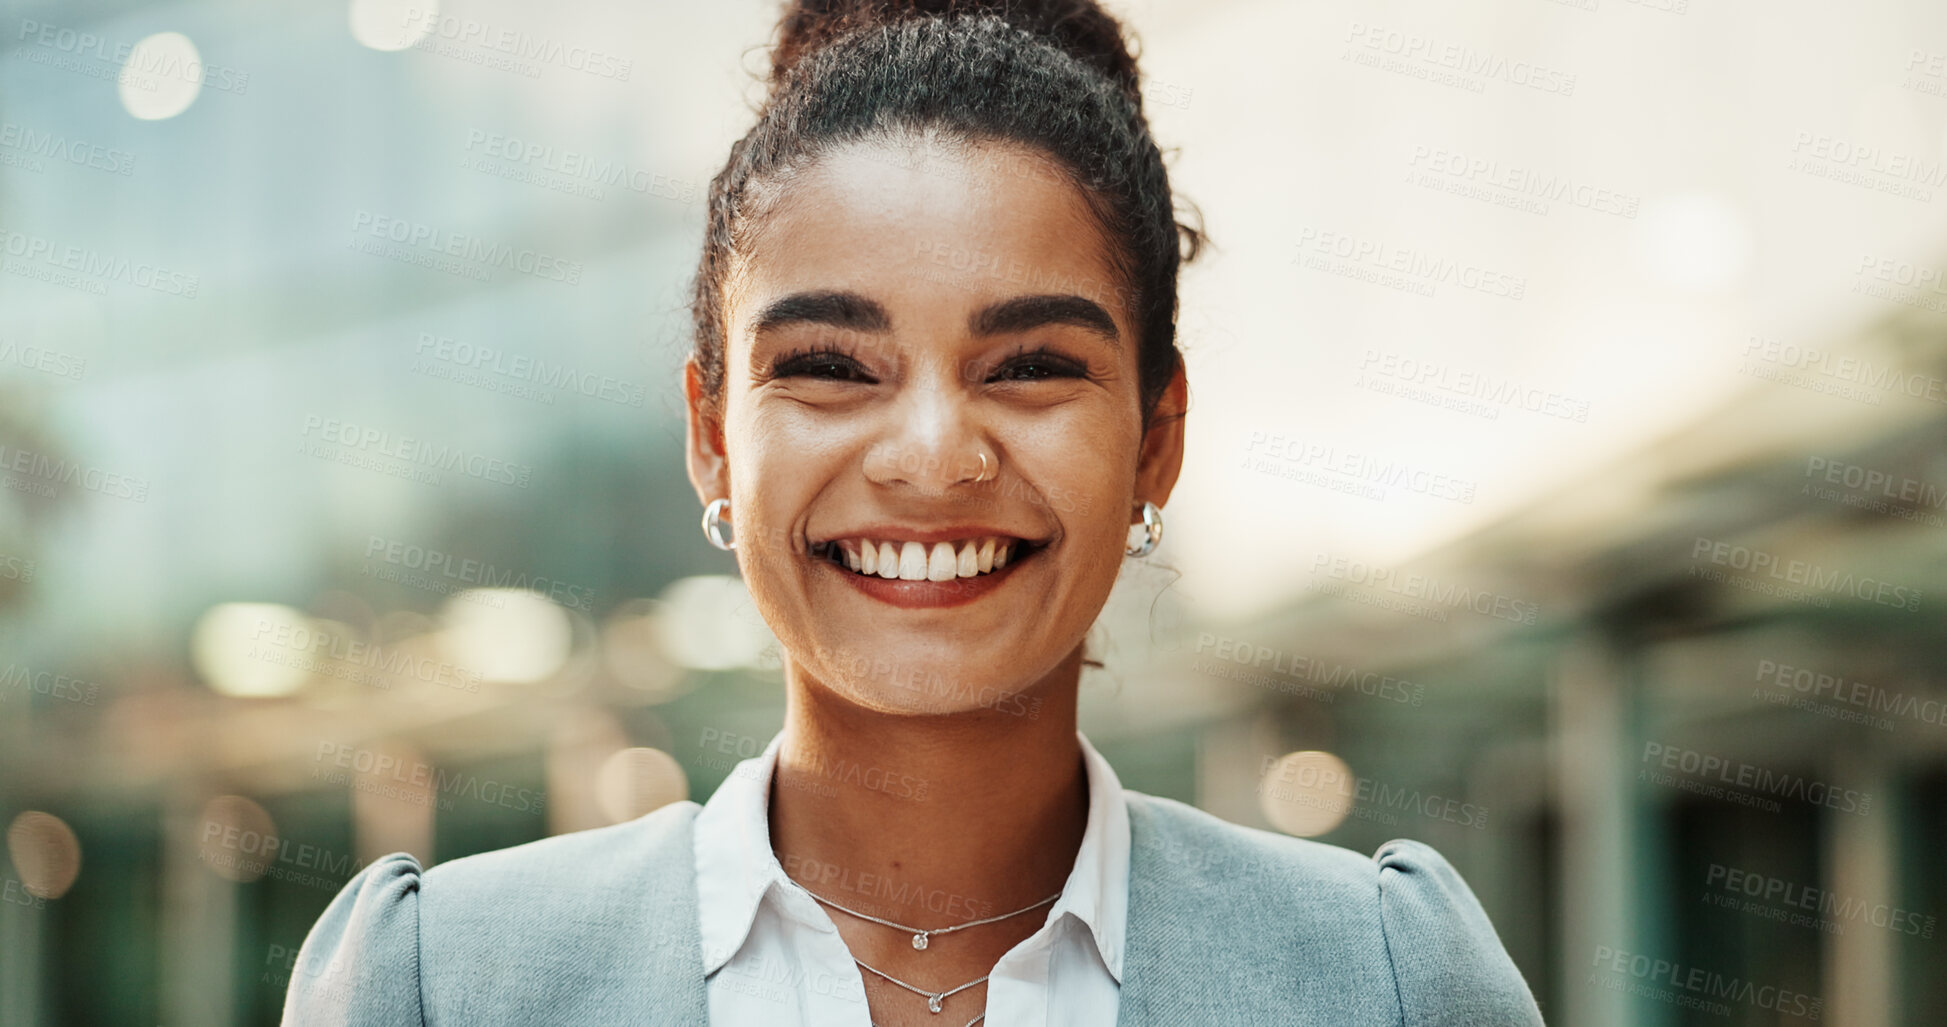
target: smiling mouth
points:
(926, 561)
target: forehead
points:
(929, 227)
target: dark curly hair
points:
(1056, 77)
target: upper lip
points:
(908, 533)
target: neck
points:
(931, 820)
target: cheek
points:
(785, 434)
(765, 480)
(1086, 477)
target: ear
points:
(1162, 449)
(704, 449)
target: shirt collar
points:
(736, 869)
(1097, 891)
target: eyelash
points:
(799, 362)
(795, 363)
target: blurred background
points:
(1567, 475)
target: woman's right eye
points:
(826, 364)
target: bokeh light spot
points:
(1307, 793)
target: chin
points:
(931, 685)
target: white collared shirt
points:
(772, 957)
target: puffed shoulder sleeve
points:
(360, 963)
(1448, 964)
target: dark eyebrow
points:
(838, 309)
(853, 311)
(1025, 312)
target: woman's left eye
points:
(1039, 366)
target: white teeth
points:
(912, 562)
(923, 561)
(941, 564)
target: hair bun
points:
(1081, 28)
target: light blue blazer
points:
(1227, 925)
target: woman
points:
(935, 383)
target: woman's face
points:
(891, 319)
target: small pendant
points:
(933, 1003)
(919, 940)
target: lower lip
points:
(927, 594)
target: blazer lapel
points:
(1170, 968)
(671, 969)
(1227, 928)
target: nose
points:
(932, 442)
